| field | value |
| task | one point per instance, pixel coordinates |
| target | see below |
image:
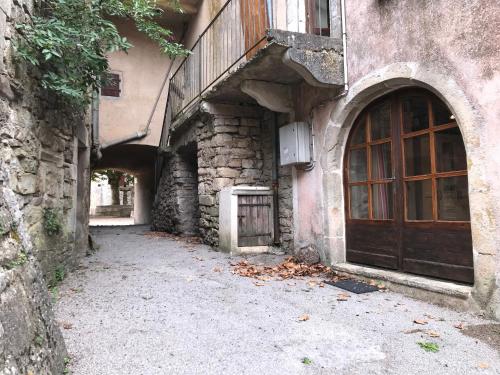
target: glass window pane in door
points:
(415, 113)
(417, 156)
(450, 151)
(381, 161)
(359, 135)
(382, 201)
(453, 198)
(381, 121)
(442, 114)
(419, 200)
(357, 165)
(359, 202)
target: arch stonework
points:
(484, 294)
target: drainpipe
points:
(95, 124)
(141, 133)
(344, 45)
(275, 181)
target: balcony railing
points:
(234, 35)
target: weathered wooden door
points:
(406, 173)
(255, 220)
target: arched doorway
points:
(405, 174)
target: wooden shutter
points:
(111, 85)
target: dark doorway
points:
(406, 186)
(186, 180)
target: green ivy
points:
(69, 41)
(51, 221)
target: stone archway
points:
(483, 224)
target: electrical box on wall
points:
(295, 143)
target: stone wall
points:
(176, 203)
(234, 147)
(30, 340)
(44, 167)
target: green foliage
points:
(112, 176)
(69, 42)
(39, 340)
(306, 361)
(67, 361)
(54, 291)
(21, 259)
(429, 346)
(59, 274)
(51, 222)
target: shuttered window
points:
(111, 85)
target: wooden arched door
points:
(407, 204)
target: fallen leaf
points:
(263, 278)
(67, 325)
(420, 321)
(433, 334)
(484, 365)
(415, 330)
(256, 283)
(321, 285)
(459, 326)
(312, 283)
(303, 318)
(217, 269)
(343, 297)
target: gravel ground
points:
(146, 306)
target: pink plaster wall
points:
(458, 38)
(143, 69)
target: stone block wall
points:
(176, 203)
(30, 340)
(234, 147)
(229, 153)
(44, 165)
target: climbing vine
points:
(69, 40)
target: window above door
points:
(318, 17)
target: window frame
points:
(312, 17)
(119, 90)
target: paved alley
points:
(146, 305)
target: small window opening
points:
(319, 17)
(111, 85)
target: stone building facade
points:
(223, 146)
(443, 51)
(44, 176)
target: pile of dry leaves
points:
(289, 269)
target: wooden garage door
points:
(406, 187)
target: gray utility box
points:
(295, 143)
